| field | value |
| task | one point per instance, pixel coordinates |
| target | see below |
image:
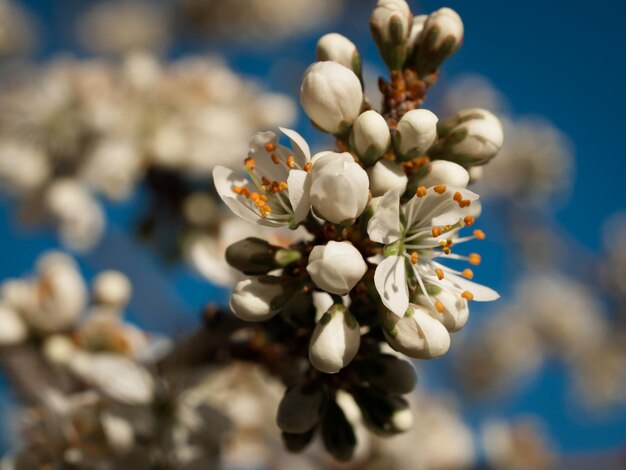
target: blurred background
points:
(113, 113)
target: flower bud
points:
(390, 24)
(417, 26)
(384, 413)
(441, 37)
(296, 443)
(13, 330)
(443, 172)
(260, 298)
(386, 175)
(415, 133)
(338, 433)
(113, 289)
(340, 49)
(472, 137)
(58, 349)
(453, 311)
(335, 340)
(331, 96)
(370, 137)
(387, 372)
(299, 410)
(336, 267)
(339, 188)
(417, 334)
(254, 256)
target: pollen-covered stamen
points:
(469, 220)
(444, 246)
(241, 191)
(436, 231)
(270, 147)
(421, 191)
(439, 306)
(275, 159)
(414, 257)
(468, 273)
(479, 234)
(464, 203)
(439, 273)
(291, 162)
(467, 295)
(307, 167)
(458, 197)
(440, 188)
(249, 163)
(474, 259)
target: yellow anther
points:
(474, 258)
(421, 191)
(468, 220)
(468, 273)
(291, 161)
(479, 234)
(439, 306)
(449, 242)
(436, 231)
(307, 167)
(275, 159)
(282, 186)
(440, 188)
(464, 203)
(467, 295)
(270, 147)
(439, 273)
(249, 162)
(414, 257)
(458, 197)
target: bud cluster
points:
(382, 211)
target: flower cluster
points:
(83, 129)
(383, 211)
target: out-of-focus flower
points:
(259, 20)
(119, 26)
(112, 289)
(17, 35)
(13, 330)
(522, 444)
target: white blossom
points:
(416, 234)
(13, 330)
(340, 49)
(415, 133)
(370, 136)
(339, 188)
(253, 299)
(444, 172)
(112, 288)
(336, 267)
(386, 175)
(278, 190)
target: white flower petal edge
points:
(384, 226)
(391, 284)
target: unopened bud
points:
(453, 311)
(386, 175)
(254, 256)
(370, 137)
(417, 26)
(417, 334)
(331, 96)
(338, 48)
(297, 442)
(388, 373)
(299, 410)
(337, 433)
(442, 172)
(441, 37)
(390, 24)
(384, 413)
(260, 298)
(415, 133)
(472, 137)
(335, 340)
(336, 267)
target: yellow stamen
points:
(275, 159)
(436, 231)
(458, 197)
(249, 162)
(291, 161)
(270, 147)
(440, 188)
(468, 273)
(414, 257)
(439, 306)
(474, 258)
(469, 220)
(307, 167)
(421, 191)
(467, 295)
(439, 273)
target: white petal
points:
(481, 293)
(224, 180)
(299, 183)
(390, 280)
(384, 226)
(298, 144)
